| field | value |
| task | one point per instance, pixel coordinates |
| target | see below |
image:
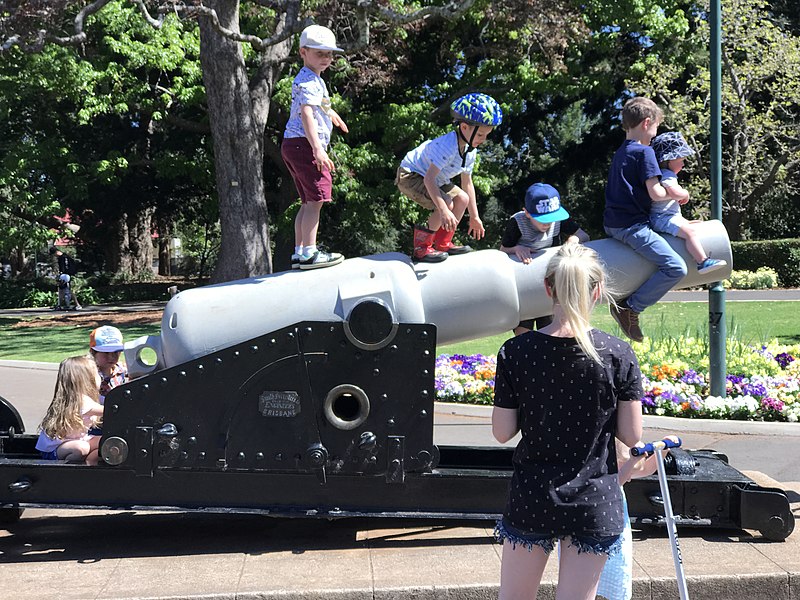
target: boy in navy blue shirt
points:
(633, 184)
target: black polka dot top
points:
(565, 467)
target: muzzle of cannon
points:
(467, 297)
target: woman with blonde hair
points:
(570, 390)
(64, 431)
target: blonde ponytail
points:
(577, 281)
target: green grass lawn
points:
(749, 322)
(54, 344)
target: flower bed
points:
(763, 383)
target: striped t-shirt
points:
(521, 232)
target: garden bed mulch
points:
(90, 320)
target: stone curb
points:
(29, 364)
(656, 422)
(708, 587)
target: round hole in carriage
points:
(346, 407)
(147, 357)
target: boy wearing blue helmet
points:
(665, 215)
(426, 172)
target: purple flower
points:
(772, 404)
(672, 397)
(783, 359)
(754, 389)
(691, 377)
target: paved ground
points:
(79, 554)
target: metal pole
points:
(669, 518)
(716, 294)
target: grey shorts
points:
(413, 186)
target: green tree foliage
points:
(121, 108)
(760, 104)
(99, 130)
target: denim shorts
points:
(670, 223)
(504, 531)
(52, 455)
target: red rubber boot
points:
(443, 241)
(423, 247)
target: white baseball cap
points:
(319, 38)
(106, 339)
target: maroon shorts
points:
(312, 184)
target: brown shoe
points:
(627, 320)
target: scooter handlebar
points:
(653, 446)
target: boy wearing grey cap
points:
(543, 223)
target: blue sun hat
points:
(543, 203)
(670, 145)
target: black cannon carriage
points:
(324, 419)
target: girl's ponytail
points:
(576, 278)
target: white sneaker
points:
(319, 260)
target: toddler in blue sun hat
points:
(543, 223)
(665, 215)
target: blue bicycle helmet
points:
(477, 109)
(670, 145)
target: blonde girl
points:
(570, 390)
(64, 431)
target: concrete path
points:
(80, 554)
(674, 296)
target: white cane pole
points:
(669, 518)
(672, 528)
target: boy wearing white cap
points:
(543, 223)
(305, 144)
(105, 345)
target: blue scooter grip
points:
(653, 446)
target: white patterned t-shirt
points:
(308, 88)
(442, 152)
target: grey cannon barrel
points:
(479, 294)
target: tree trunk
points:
(164, 256)
(238, 151)
(131, 253)
(732, 219)
(164, 249)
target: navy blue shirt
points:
(627, 200)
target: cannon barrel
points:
(467, 297)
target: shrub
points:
(781, 255)
(763, 278)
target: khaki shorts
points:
(413, 186)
